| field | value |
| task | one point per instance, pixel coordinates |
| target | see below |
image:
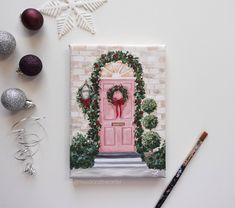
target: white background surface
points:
(200, 39)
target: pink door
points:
(117, 132)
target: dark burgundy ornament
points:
(30, 65)
(32, 19)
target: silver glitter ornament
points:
(14, 99)
(7, 43)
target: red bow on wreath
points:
(86, 103)
(118, 104)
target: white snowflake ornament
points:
(70, 13)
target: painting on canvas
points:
(118, 110)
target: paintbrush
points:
(181, 170)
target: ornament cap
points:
(29, 104)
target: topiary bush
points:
(149, 105)
(157, 159)
(150, 121)
(82, 152)
(154, 158)
(151, 140)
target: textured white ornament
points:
(70, 13)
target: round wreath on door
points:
(114, 100)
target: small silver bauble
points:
(7, 43)
(14, 99)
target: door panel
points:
(117, 133)
(127, 111)
(109, 136)
(127, 136)
(109, 112)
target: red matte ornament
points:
(32, 19)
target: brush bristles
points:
(203, 136)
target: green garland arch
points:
(94, 112)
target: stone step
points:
(118, 155)
(118, 160)
(120, 165)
